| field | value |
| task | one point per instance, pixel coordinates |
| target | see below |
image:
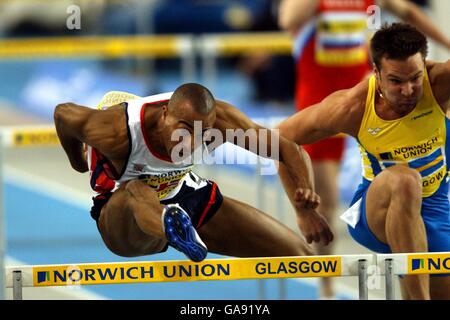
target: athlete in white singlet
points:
(147, 200)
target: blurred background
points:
(57, 51)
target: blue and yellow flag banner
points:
(170, 271)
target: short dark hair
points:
(397, 41)
(197, 95)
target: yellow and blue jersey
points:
(417, 140)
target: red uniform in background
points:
(331, 54)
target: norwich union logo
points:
(43, 276)
(429, 264)
(417, 264)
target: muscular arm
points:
(340, 112)
(439, 74)
(76, 125)
(412, 14)
(229, 117)
(293, 14)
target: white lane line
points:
(48, 188)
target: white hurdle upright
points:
(18, 277)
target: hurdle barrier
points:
(18, 277)
(144, 46)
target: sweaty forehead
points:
(404, 68)
(177, 108)
(187, 113)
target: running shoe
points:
(181, 234)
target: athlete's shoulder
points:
(135, 105)
(350, 107)
(361, 90)
(439, 77)
(438, 71)
(353, 100)
(227, 114)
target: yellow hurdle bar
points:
(411, 264)
(159, 46)
(417, 263)
(247, 43)
(164, 46)
(28, 136)
(183, 270)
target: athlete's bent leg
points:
(130, 222)
(393, 210)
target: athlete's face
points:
(401, 82)
(185, 129)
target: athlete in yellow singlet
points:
(398, 119)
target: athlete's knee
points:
(405, 182)
(300, 248)
(139, 190)
(134, 186)
(305, 249)
(112, 245)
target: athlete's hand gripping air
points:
(312, 224)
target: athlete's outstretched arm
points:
(68, 125)
(331, 116)
(242, 131)
(312, 224)
(76, 125)
(296, 165)
(340, 112)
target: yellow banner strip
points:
(275, 43)
(438, 263)
(34, 138)
(172, 271)
(163, 46)
(90, 46)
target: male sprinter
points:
(398, 118)
(148, 200)
(331, 40)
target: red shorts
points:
(326, 149)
